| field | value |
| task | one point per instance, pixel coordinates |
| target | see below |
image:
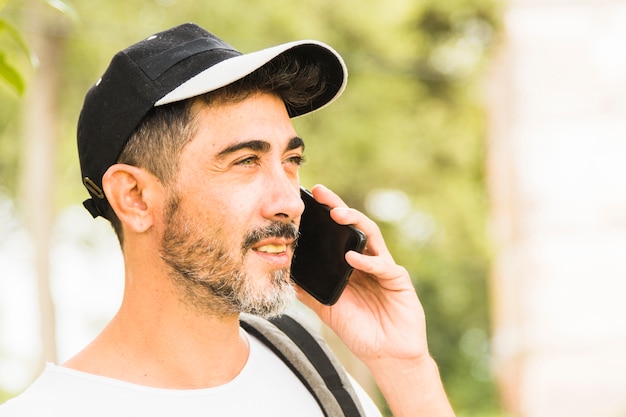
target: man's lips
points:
(271, 238)
(275, 253)
(271, 248)
(274, 246)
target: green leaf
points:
(17, 38)
(11, 76)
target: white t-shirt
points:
(265, 387)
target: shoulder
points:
(41, 396)
(293, 339)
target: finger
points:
(344, 215)
(325, 196)
(340, 211)
(377, 266)
(375, 240)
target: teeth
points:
(272, 248)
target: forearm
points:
(411, 388)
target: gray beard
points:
(212, 279)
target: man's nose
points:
(283, 200)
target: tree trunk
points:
(40, 131)
(558, 193)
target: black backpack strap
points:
(311, 360)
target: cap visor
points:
(236, 68)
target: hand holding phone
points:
(319, 265)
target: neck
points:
(157, 340)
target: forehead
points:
(260, 116)
(223, 126)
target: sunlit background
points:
(487, 138)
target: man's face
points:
(231, 221)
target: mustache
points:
(273, 230)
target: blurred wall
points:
(557, 172)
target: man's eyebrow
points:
(295, 143)
(259, 146)
(255, 145)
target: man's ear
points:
(134, 194)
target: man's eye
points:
(251, 160)
(296, 160)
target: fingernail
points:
(342, 211)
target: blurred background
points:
(486, 137)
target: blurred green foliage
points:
(412, 120)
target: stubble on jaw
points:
(210, 273)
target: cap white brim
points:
(230, 70)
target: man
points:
(187, 147)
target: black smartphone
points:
(319, 265)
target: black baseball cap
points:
(176, 64)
